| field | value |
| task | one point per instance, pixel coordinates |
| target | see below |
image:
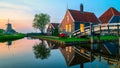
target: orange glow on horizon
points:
(18, 25)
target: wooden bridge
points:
(99, 29)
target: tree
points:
(40, 21)
(56, 32)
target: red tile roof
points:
(83, 16)
(105, 17)
(55, 25)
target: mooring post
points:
(82, 65)
(119, 46)
(118, 30)
(91, 54)
(91, 33)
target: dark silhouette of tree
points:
(41, 51)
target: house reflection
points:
(53, 45)
(74, 57)
(113, 62)
(107, 47)
(84, 53)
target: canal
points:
(35, 53)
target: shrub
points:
(62, 35)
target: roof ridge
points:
(109, 13)
(84, 17)
(79, 11)
(112, 11)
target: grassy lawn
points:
(73, 39)
(9, 37)
(62, 39)
(107, 38)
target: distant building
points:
(74, 19)
(9, 29)
(52, 27)
(110, 16)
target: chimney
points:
(81, 7)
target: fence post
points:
(91, 33)
(108, 29)
(100, 29)
(118, 29)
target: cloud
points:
(14, 11)
(20, 16)
(13, 6)
(14, 14)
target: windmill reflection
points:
(9, 43)
(41, 51)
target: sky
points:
(21, 12)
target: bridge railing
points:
(79, 31)
(98, 28)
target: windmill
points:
(9, 27)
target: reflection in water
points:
(21, 55)
(119, 46)
(41, 51)
(74, 56)
(107, 51)
(9, 43)
(90, 53)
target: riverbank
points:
(9, 37)
(75, 40)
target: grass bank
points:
(107, 38)
(9, 37)
(73, 39)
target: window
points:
(66, 28)
(69, 27)
(82, 27)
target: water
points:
(34, 53)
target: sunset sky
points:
(21, 12)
